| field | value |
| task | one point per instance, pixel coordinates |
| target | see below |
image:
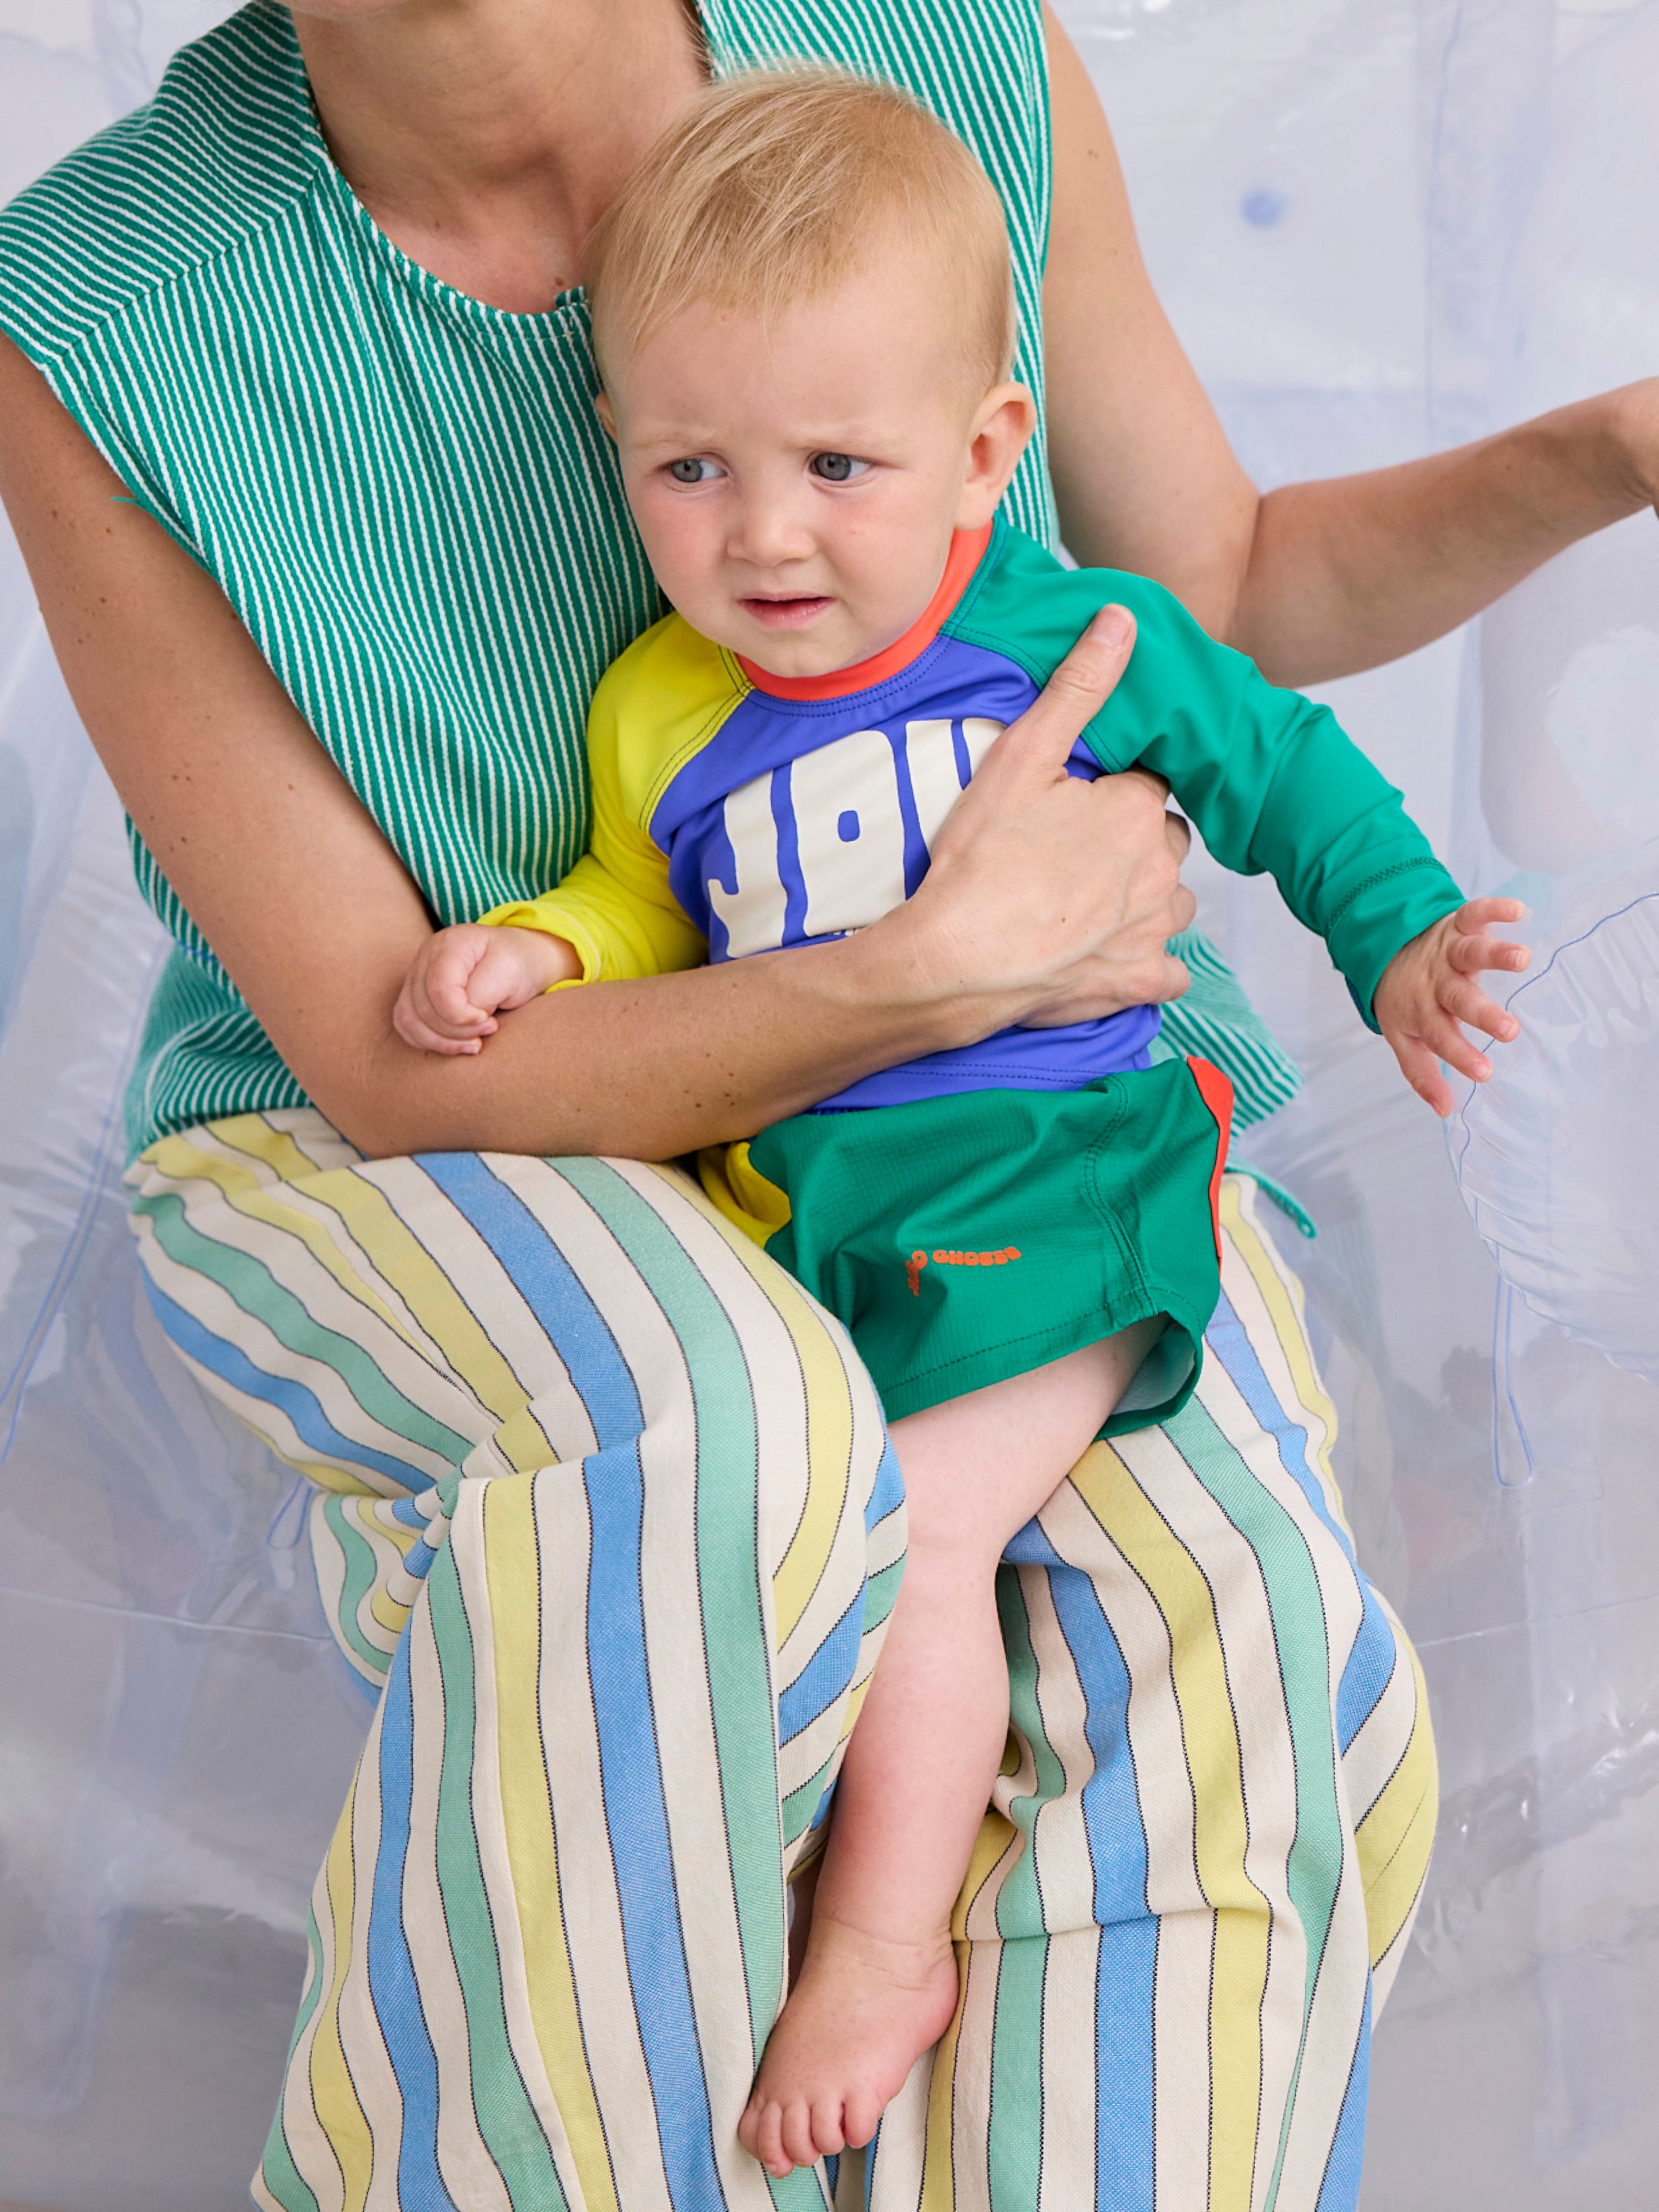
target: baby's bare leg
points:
(879, 1982)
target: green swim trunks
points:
(968, 1238)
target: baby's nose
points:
(768, 534)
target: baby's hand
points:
(1429, 988)
(462, 978)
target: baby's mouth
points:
(793, 613)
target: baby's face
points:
(797, 482)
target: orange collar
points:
(967, 551)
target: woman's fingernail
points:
(1111, 626)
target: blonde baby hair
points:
(772, 188)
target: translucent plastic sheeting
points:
(1379, 225)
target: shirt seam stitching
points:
(1370, 883)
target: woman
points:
(298, 442)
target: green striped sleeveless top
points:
(405, 493)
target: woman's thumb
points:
(1046, 733)
(1090, 673)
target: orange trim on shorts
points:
(1217, 1093)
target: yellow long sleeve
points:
(615, 907)
(617, 930)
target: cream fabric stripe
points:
(1059, 1840)
(173, 1228)
(1249, 1650)
(383, 1609)
(902, 2143)
(1251, 1654)
(483, 1286)
(813, 1358)
(220, 1314)
(1069, 2063)
(1182, 2109)
(974, 2085)
(998, 1849)
(810, 1356)
(527, 1916)
(469, 2173)
(687, 1750)
(298, 2113)
(1014, 1789)
(1340, 1595)
(261, 1169)
(1395, 1876)
(296, 1240)
(1332, 2040)
(433, 1316)
(1383, 1737)
(1394, 1844)
(273, 1425)
(358, 2047)
(1077, 1518)
(777, 1333)
(1209, 1752)
(590, 1922)
(1269, 1303)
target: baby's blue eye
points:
(694, 469)
(837, 468)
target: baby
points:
(804, 321)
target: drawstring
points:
(1280, 1197)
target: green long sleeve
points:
(1271, 780)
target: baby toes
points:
(798, 2144)
(761, 2132)
(827, 2133)
(860, 2116)
(748, 2129)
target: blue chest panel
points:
(802, 820)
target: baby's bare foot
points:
(861, 2014)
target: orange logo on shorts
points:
(918, 1261)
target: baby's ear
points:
(602, 408)
(1001, 430)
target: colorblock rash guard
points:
(736, 812)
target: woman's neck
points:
(486, 137)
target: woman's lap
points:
(520, 1860)
(1191, 1648)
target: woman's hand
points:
(1049, 896)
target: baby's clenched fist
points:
(462, 978)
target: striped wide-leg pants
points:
(604, 1503)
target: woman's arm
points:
(1315, 579)
(316, 920)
